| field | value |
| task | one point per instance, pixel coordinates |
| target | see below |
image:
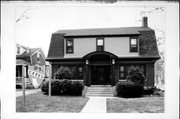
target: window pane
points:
(100, 48)
(69, 43)
(69, 49)
(133, 42)
(76, 72)
(121, 68)
(122, 75)
(100, 42)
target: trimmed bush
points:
(76, 88)
(136, 77)
(45, 87)
(63, 73)
(63, 87)
(149, 90)
(129, 89)
(153, 91)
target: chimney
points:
(145, 21)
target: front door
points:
(100, 75)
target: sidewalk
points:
(95, 105)
(27, 92)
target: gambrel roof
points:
(102, 31)
(147, 39)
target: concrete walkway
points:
(27, 92)
(95, 105)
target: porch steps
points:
(99, 91)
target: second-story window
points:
(100, 44)
(133, 45)
(69, 46)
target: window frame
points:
(122, 78)
(126, 69)
(137, 45)
(70, 66)
(70, 46)
(99, 38)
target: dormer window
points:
(100, 44)
(133, 45)
(69, 46)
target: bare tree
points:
(24, 16)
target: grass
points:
(40, 103)
(152, 104)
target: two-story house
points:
(104, 56)
(31, 61)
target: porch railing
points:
(19, 81)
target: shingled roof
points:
(103, 31)
(28, 54)
(148, 45)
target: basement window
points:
(133, 45)
(69, 46)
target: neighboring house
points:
(104, 56)
(32, 60)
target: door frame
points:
(106, 68)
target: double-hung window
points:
(69, 46)
(100, 44)
(133, 45)
(122, 72)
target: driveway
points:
(19, 92)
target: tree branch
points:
(23, 16)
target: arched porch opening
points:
(100, 68)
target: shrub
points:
(76, 88)
(129, 89)
(63, 87)
(136, 77)
(45, 87)
(55, 87)
(63, 73)
(149, 90)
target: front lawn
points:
(40, 103)
(151, 104)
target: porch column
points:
(113, 73)
(87, 82)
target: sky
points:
(44, 20)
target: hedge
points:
(129, 89)
(63, 87)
